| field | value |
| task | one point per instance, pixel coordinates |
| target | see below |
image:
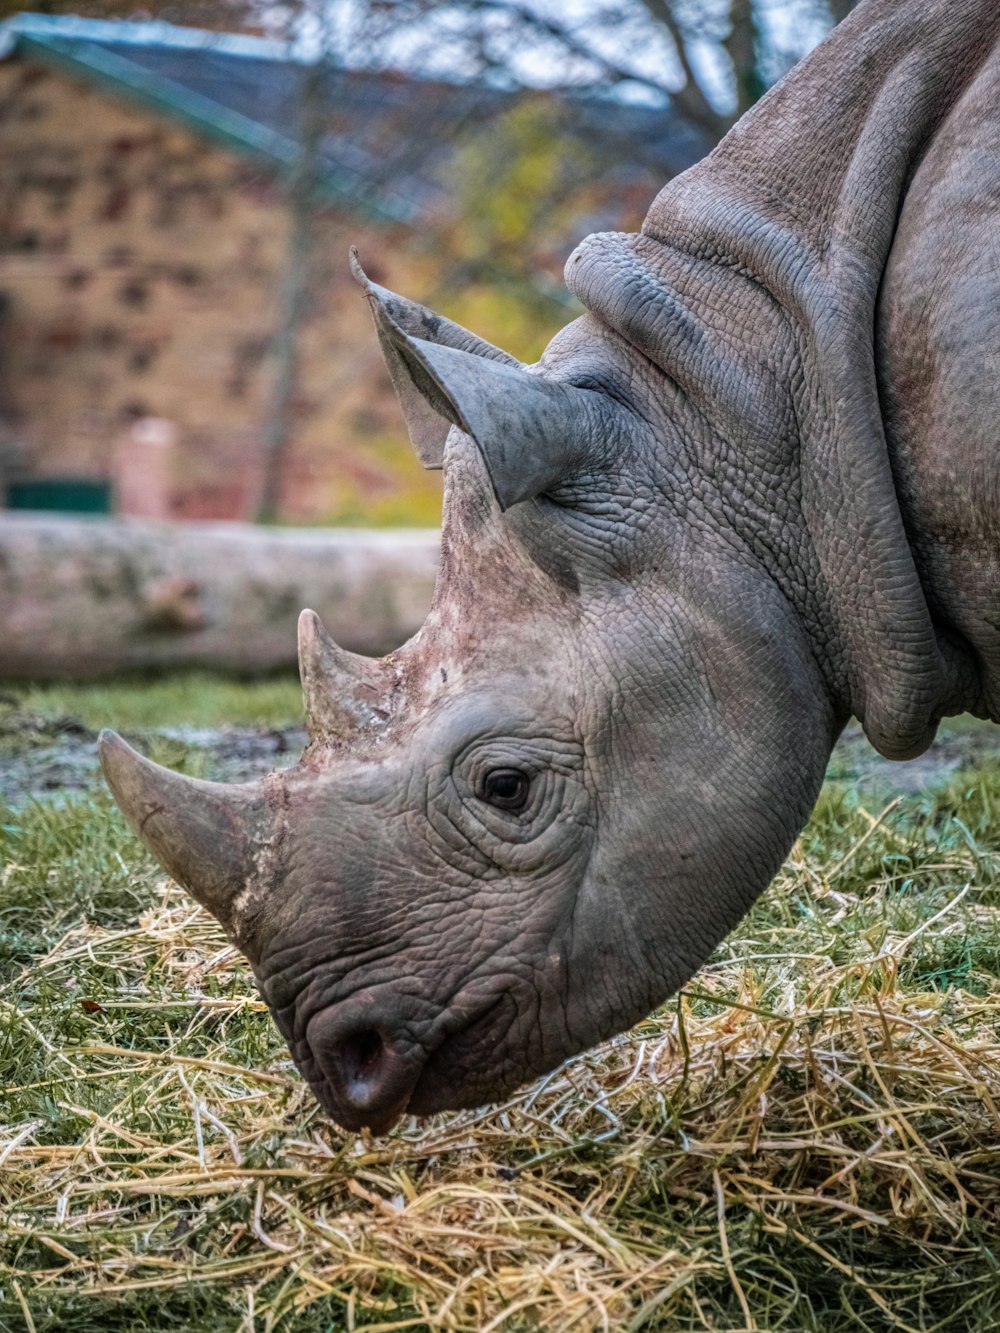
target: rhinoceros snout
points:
(366, 1071)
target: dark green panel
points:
(76, 495)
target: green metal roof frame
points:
(210, 119)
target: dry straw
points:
(808, 1138)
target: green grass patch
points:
(808, 1138)
(189, 699)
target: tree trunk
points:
(83, 598)
(741, 48)
(279, 427)
(839, 9)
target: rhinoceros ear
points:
(532, 433)
(397, 318)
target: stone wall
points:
(139, 273)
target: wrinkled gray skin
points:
(753, 491)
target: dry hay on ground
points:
(809, 1138)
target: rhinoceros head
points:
(521, 831)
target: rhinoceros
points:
(751, 492)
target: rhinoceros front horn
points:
(206, 835)
(343, 692)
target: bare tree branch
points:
(689, 99)
(741, 47)
(839, 9)
(302, 204)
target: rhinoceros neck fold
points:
(828, 151)
(801, 199)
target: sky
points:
(437, 46)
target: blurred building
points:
(145, 237)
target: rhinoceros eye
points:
(506, 788)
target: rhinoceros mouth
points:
(379, 1121)
(470, 1066)
(366, 1080)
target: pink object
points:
(144, 469)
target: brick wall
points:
(140, 268)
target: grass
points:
(189, 699)
(808, 1138)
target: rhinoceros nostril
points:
(369, 1069)
(359, 1055)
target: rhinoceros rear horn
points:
(533, 433)
(207, 835)
(343, 692)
